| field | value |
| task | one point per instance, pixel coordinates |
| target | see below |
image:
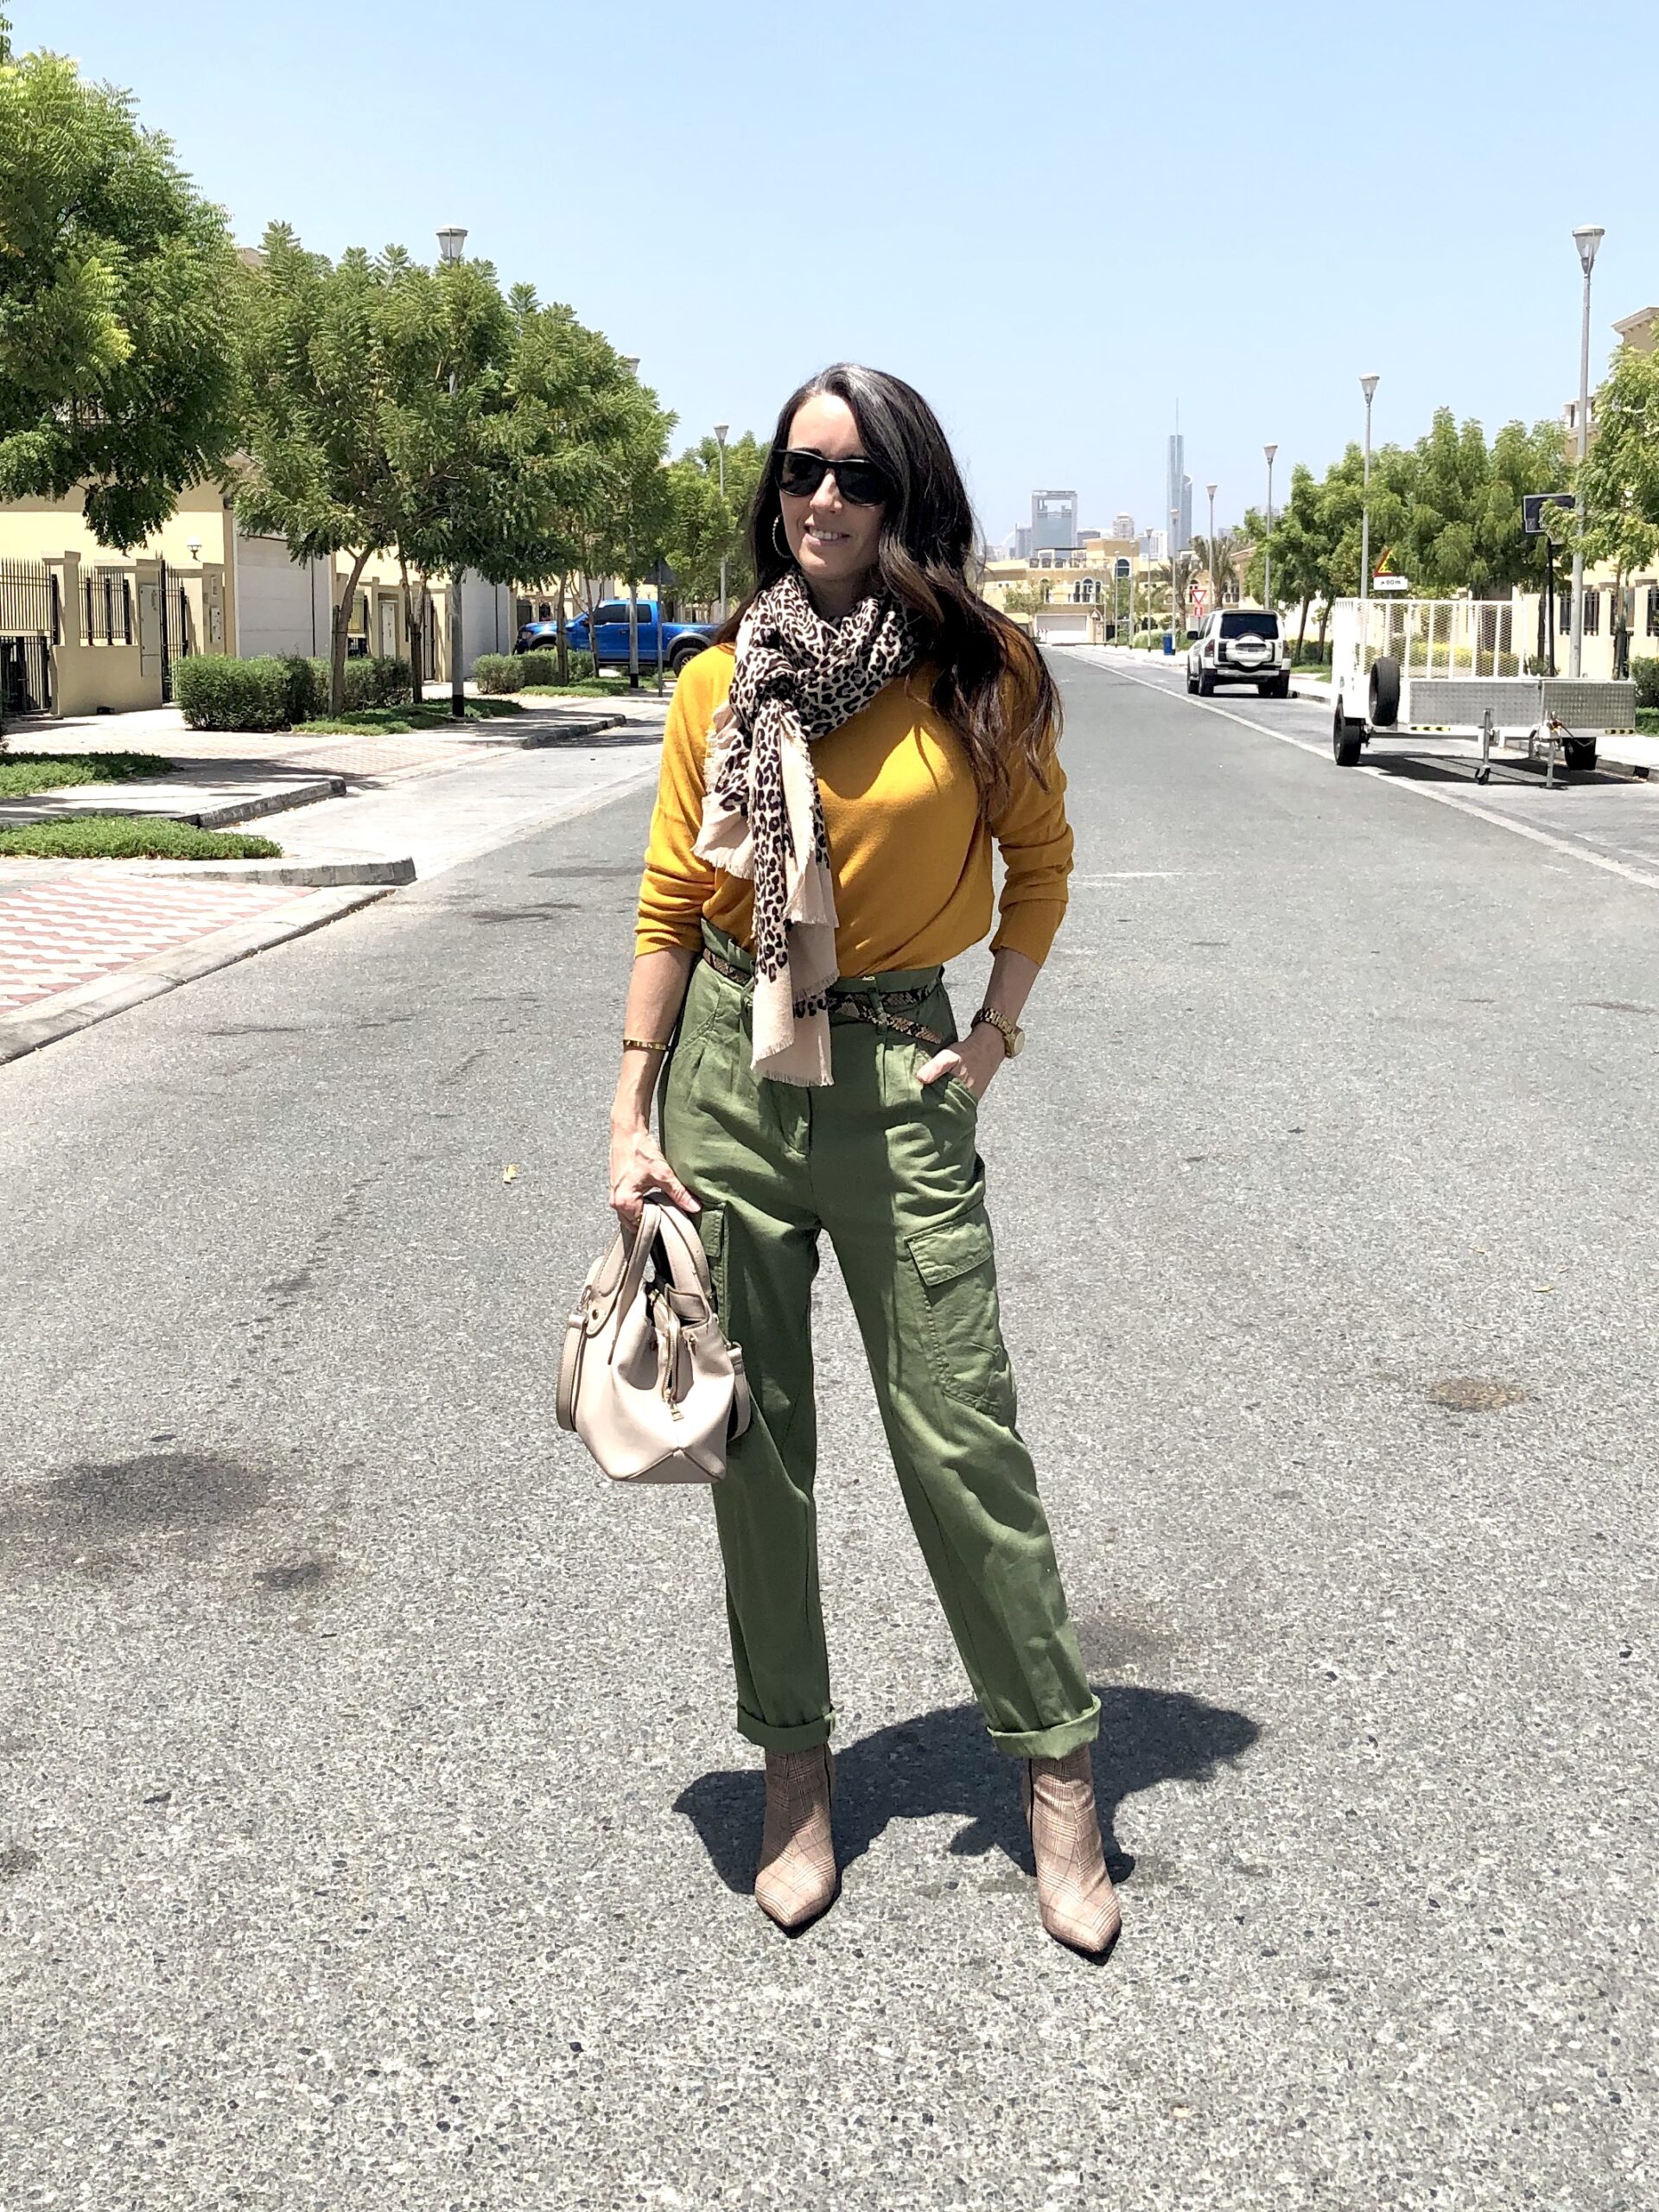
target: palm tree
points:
(1220, 563)
(1186, 567)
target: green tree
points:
(116, 366)
(354, 442)
(706, 527)
(1314, 541)
(574, 402)
(1451, 507)
(701, 529)
(1618, 481)
(1027, 599)
(631, 532)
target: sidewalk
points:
(224, 777)
(82, 940)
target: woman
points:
(833, 773)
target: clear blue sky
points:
(1055, 221)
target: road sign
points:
(662, 576)
(1385, 580)
(1533, 506)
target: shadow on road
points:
(944, 1763)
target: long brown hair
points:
(992, 686)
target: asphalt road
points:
(374, 1834)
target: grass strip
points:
(590, 689)
(398, 721)
(24, 773)
(129, 837)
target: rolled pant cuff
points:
(1049, 1742)
(801, 1738)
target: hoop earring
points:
(782, 552)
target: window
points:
(1653, 611)
(1249, 625)
(1592, 613)
(1564, 611)
(612, 610)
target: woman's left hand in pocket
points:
(973, 1059)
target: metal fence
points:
(178, 641)
(29, 627)
(107, 606)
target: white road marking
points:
(1646, 877)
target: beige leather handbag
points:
(647, 1379)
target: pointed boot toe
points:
(797, 1879)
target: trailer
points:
(1427, 669)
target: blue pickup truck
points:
(682, 641)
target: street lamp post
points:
(1215, 588)
(721, 429)
(1174, 532)
(1368, 385)
(630, 363)
(1587, 238)
(452, 241)
(1267, 550)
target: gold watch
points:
(1012, 1036)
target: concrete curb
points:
(87, 1003)
(62, 807)
(330, 875)
(563, 730)
(218, 818)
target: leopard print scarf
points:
(798, 678)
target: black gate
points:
(177, 643)
(29, 630)
(107, 606)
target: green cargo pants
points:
(891, 1170)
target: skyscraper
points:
(1122, 526)
(1178, 493)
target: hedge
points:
(216, 692)
(381, 682)
(275, 691)
(499, 672)
(1646, 674)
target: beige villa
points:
(86, 630)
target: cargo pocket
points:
(956, 1267)
(711, 1227)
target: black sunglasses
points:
(860, 483)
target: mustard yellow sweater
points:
(910, 846)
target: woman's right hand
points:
(638, 1170)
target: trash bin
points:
(1169, 641)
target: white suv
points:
(1239, 645)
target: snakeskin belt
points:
(870, 1007)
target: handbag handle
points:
(688, 1263)
(619, 1278)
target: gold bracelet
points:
(642, 1045)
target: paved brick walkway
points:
(62, 927)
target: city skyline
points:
(1263, 328)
